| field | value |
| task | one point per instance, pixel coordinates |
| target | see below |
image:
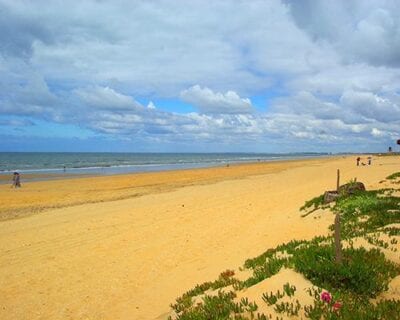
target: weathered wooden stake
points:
(338, 180)
(338, 244)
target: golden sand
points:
(124, 247)
(55, 194)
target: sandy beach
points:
(125, 246)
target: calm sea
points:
(113, 163)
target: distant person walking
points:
(16, 180)
(369, 161)
(358, 161)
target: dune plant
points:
(221, 306)
(344, 306)
(313, 204)
(225, 279)
(366, 212)
(393, 176)
(288, 289)
(288, 308)
(361, 272)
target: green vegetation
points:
(225, 279)
(314, 204)
(349, 307)
(366, 212)
(289, 308)
(362, 272)
(352, 284)
(220, 306)
(393, 176)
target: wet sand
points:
(6, 178)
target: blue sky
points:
(187, 76)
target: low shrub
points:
(361, 272)
(393, 176)
(313, 204)
(378, 210)
(221, 307)
(344, 306)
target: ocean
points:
(116, 163)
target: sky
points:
(199, 76)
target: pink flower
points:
(336, 306)
(326, 297)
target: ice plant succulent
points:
(336, 306)
(326, 297)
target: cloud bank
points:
(325, 75)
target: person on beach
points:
(369, 161)
(16, 180)
(358, 161)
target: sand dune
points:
(124, 247)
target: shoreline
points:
(114, 170)
(59, 191)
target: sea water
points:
(114, 163)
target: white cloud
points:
(364, 31)
(208, 101)
(376, 132)
(305, 102)
(151, 105)
(106, 98)
(371, 106)
(24, 92)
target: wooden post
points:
(338, 244)
(338, 180)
